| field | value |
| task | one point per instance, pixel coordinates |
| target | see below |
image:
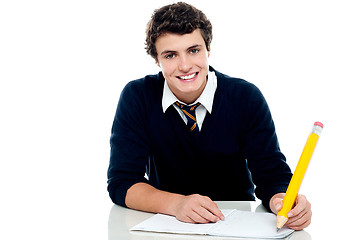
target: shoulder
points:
(238, 88)
(139, 96)
(149, 86)
(141, 83)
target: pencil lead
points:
(278, 229)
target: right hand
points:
(197, 209)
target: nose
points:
(184, 63)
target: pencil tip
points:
(278, 229)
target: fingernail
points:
(289, 214)
(222, 218)
(278, 206)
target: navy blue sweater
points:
(235, 155)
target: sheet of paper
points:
(169, 224)
(236, 224)
(250, 225)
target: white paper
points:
(236, 224)
(169, 224)
(250, 225)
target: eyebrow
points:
(167, 51)
(170, 51)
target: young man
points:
(219, 148)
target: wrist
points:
(173, 201)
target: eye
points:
(194, 51)
(170, 56)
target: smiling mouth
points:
(188, 77)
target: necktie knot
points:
(190, 113)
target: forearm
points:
(144, 197)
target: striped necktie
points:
(190, 113)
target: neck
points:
(188, 99)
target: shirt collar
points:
(206, 98)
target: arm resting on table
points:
(193, 208)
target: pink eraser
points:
(318, 124)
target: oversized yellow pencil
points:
(294, 186)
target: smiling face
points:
(184, 63)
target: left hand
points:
(300, 215)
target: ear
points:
(209, 50)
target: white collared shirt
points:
(206, 100)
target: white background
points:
(64, 63)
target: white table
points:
(122, 219)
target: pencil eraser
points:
(318, 124)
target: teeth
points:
(188, 77)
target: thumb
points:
(277, 203)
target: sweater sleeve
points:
(270, 172)
(129, 145)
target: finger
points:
(301, 205)
(208, 215)
(214, 213)
(300, 222)
(185, 218)
(277, 203)
(197, 218)
(298, 218)
(299, 226)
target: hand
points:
(300, 215)
(197, 209)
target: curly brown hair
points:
(180, 18)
